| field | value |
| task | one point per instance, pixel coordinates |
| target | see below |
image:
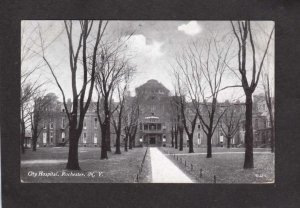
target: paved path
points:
(164, 171)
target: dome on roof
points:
(153, 84)
(152, 81)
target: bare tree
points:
(178, 125)
(132, 111)
(202, 75)
(231, 121)
(26, 95)
(117, 120)
(270, 104)
(172, 135)
(243, 33)
(41, 103)
(119, 111)
(88, 47)
(174, 121)
(29, 88)
(111, 70)
(187, 115)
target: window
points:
(158, 126)
(51, 136)
(95, 123)
(63, 123)
(199, 141)
(44, 138)
(51, 124)
(256, 124)
(146, 126)
(63, 135)
(84, 138)
(84, 124)
(152, 127)
(95, 138)
(199, 126)
(44, 125)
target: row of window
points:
(63, 137)
(51, 135)
(84, 138)
(95, 123)
(256, 124)
(63, 123)
(151, 126)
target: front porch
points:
(153, 140)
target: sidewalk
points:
(164, 171)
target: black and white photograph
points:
(153, 101)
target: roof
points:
(154, 84)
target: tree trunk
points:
(209, 150)
(228, 141)
(180, 139)
(108, 139)
(118, 149)
(272, 133)
(191, 145)
(176, 139)
(22, 137)
(34, 140)
(126, 141)
(172, 136)
(73, 150)
(132, 138)
(130, 142)
(248, 163)
(103, 141)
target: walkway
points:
(164, 171)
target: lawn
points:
(226, 165)
(48, 165)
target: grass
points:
(52, 161)
(227, 167)
(146, 175)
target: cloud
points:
(191, 28)
(140, 45)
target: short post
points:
(191, 166)
(201, 173)
(215, 179)
(185, 163)
(137, 177)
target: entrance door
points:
(152, 140)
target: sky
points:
(152, 48)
